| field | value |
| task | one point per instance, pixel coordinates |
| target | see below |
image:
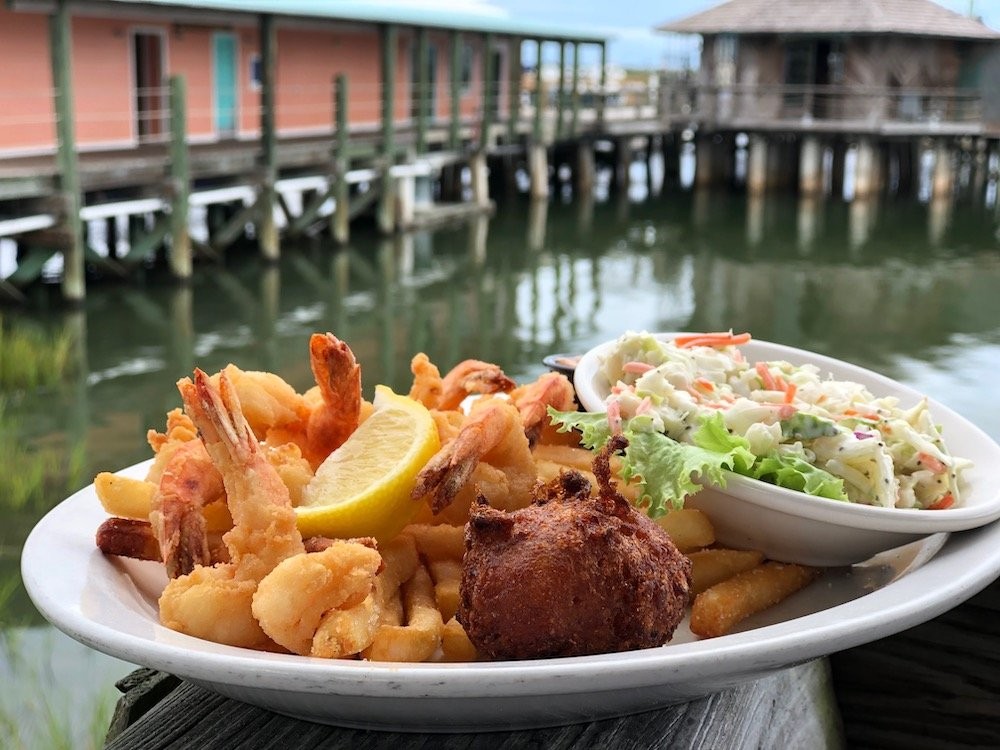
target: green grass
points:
(31, 358)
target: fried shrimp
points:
(292, 599)
(215, 602)
(189, 482)
(492, 434)
(427, 384)
(338, 377)
(470, 377)
(532, 401)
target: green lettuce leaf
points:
(796, 473)
(669, 471)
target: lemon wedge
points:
(363, 488)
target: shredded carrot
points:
(790, 389)
(765, 376)
(931, 463)
(705, 384)
(723, 338)
(637, 368)
(945, 502)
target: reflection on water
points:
(908, 289)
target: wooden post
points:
(514, 95)
(585, 168)
(944, 172)
(387, 199)
(811, 166)
(538, 170)
(757, 172)
(74, 276)
(603, 75)
(180, 181)
(574, 95)
(479, 174)
(864, 169)
(536, 127)
(561, 94)
(423, 88)
(456, 90)
(489, 93)
(267, 229)
(341, 226)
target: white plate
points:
(795, 527)
(110, 605)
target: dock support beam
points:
(586, 170)
(479, 175)
(423, 88)
(73, 275)
(490, 93)
(538, 170)
(811, 166)
(536, 125)
(180, 181)
(267, 228)
(574, 95)
(341, 220)
(757, 171)
(865, 169)
(514, 94)
(561, 93)
(386, 214)
(943, 179)
(456, 91)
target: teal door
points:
(224, 75)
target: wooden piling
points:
(865, 169)
(574, 96)
(267, 229)
(757, 171)
(386, 212)
(423, 87)
(536, 126)
(456, 91)
(561, 93)
(340, 226)
(585, 167)
(811, 166)
(943, 180)
(514, 93)
(180, 181)
(538, 170)
(70, 197)
(490, 93)
(480, 179)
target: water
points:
(909, 289)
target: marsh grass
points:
(33, 476)
(31, 358)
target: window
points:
(725, 59)
(256, 72)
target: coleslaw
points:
(695, 407)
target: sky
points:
(630, 22)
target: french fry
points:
(712, 566)
(718, 609)
(689, 528)
(419, 639)
(455, 644)
(447, 575)
(123, 496)
(438, 541)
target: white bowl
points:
(794, 527)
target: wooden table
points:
(793, 708)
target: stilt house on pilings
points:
(291, 116)
(806, 77)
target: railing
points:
(804, 104)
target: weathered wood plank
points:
(935, 685)
(792, 708)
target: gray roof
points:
(913, 17)
(442, 15)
